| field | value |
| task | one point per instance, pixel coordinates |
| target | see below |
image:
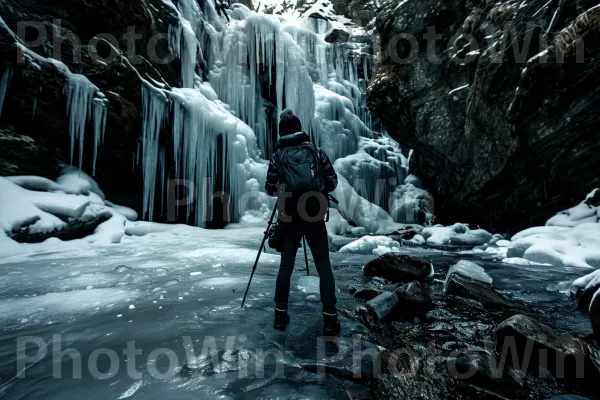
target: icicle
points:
(6, 76)
(137, 153)
(163, 174)
(79, 93)
(100, 112)
(155, 111)
(189, 54)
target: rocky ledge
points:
(500, 109)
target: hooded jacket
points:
(328, 176)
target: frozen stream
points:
(176, 300)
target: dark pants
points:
(316, 237)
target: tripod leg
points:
(254, 269)
(262, 245)
(305, 256)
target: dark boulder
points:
(383, 306)
(366, 293)
(399, 268)
(594, 310)
(584, 288)
(532, 346)
(594, 199)
(75, 229)
(483, 292)
(414, 300)
(584, 297)
(337, 36)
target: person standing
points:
(301, 175)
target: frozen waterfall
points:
(217, 130)
(225, 116)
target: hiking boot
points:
(331, 325)
(282, 319)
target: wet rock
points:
(594, 199)
(362, 363)
(476, 392)
(366, 293)
(473, 284)
(399, 268)
(414, 300)
(382, 306)
(406, 233)
(583, 289)
(337, 36)
(75, 229)
(594, 310)
(404, 377)
(556, 352)
(441, 327)
(584, 298)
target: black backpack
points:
(298, 168)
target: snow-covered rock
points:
(467, 279)
(399, 268)
(580, 214)
(34, 208)
(469, 270)
(570, 238)
(458, 234)
(369, 244)
(585, 288)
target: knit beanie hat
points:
(289, 123)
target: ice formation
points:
(224, 123)
(85, 102)
(235, 79)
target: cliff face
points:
(504, 134)
(34, 126)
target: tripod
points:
(262, 246)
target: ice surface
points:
(309, 284)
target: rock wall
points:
(504, 134)
(35, 111)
